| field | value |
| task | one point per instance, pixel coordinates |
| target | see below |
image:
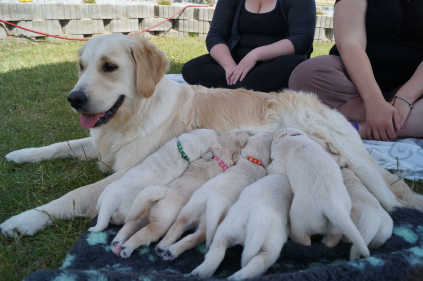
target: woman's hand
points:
(243, 67)
(382, 121)
(229, 72)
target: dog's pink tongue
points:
(88, 121)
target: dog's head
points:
(258, 146)
(115, 73)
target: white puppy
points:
(162, 203)
(321, 204)
(373, 222)
(259, 221)
(166, 164)
(209, 204)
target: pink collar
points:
(220, 162)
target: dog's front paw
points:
(23, 155)
(26, 223)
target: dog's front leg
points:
(83, 149)
(80, 202)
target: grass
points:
(35, 78)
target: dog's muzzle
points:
(77, 99)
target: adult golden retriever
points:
(132, 109)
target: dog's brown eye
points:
(109, 67)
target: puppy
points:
(259, 221)
(321, 204)
(166, 164)
(162, 203)
(210, 202)
(373, 222)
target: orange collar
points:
(255, 161)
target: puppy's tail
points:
(401, 190)
(145, 199)
(215, 212)
(257, 227)
(107, 207)
(339, 217)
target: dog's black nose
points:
(77, 99)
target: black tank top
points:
(260, 29)
(394, 40)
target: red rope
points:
(85, 39)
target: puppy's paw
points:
(159, 251)
(96, 228)
(236, 277)
(168, 255)
(116, 247)
(125, 252)
(202, 272)
(23, 155)
(26, 223)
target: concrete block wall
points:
(85, 20)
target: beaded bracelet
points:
(404, 100)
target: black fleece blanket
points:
(91, 259)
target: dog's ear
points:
(150, 64)
(80, 51)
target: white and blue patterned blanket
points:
(91, 259)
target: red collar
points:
(255, 161)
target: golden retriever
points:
(132, 109)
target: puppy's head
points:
(229, 145)
(258, 146)
(115, 73)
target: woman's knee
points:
(190, 70)
(306, 75)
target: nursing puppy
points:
(209, 204)
(321, 204)
(259, 221)
(373, 222)
(162, 203)
(166, 164)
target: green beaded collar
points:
(181, 151)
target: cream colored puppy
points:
(373, 222)
(166, 164)
(162, 203)
(321, 204)
(259, 221)
(209, 204)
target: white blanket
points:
(403, 157)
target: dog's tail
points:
(215, 212)
(339, 217)
(257, 227)
(145, 200)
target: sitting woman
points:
(374, 75)
(254, 44)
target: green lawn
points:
(35, 78)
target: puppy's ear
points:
(242, 138)
(207, 156)
(235, 157)
(280, 133)
(150, 65)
